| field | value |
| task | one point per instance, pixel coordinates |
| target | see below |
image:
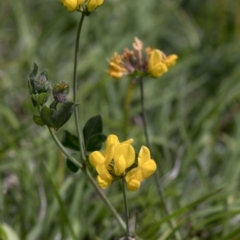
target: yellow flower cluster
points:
(117, 160)
(79, 5)
(151, 62)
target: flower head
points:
(116, 162)
(60, 91)
(86, 6)
(137, 62)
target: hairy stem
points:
(127, 103)
(105, 200)
(66, 153)
(75, 88)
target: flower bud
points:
(60, 92)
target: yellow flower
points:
(93, 4)
(135, 63)
(114, 161)
(146, 167)
(101, 162)
(81, 5)
(156, 65)
(72, 5)
(171, 60)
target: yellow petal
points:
(108, 154)
(144, 155)
(133, 185)
(103, 172)
(171, 60)
(148, 168)
(102, 183)
(93, 4)
(71, 5)
(135, 173)
(156, 66)
(96, 158)
(127, 151)
(119, 165)
(112, 139)
(129, 141)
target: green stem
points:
(127, 102)
(59, 144)
(156, 175)
(105, 200)
(75, 88)
(91, 179)
(78, 127)
(126, 206)
(1, 200)
(144, 114)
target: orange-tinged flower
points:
(140, 62)
(116, 69)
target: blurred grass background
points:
(193, 115)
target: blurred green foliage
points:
(193, 115)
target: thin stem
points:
(78, 127)
(92, 181)
(144, 113)
(105, 200)
(125, 206)
(156, 175)
(75, 88)
(127, 103)
(59, 144)
(1, 199)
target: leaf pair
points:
(54, 118)
(93, 138)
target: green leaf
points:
(53, 105)
(3, 234)
(34, 72)
(7, 232)
(30, 88)
(38, 120)
(42, 98)
(44, 73)
(95, 142)
(64, 113)
(232, 235)
(49, 116)
(188, 207)
(70, 141)
(71, 166)
(34, 100)
(93, 126)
